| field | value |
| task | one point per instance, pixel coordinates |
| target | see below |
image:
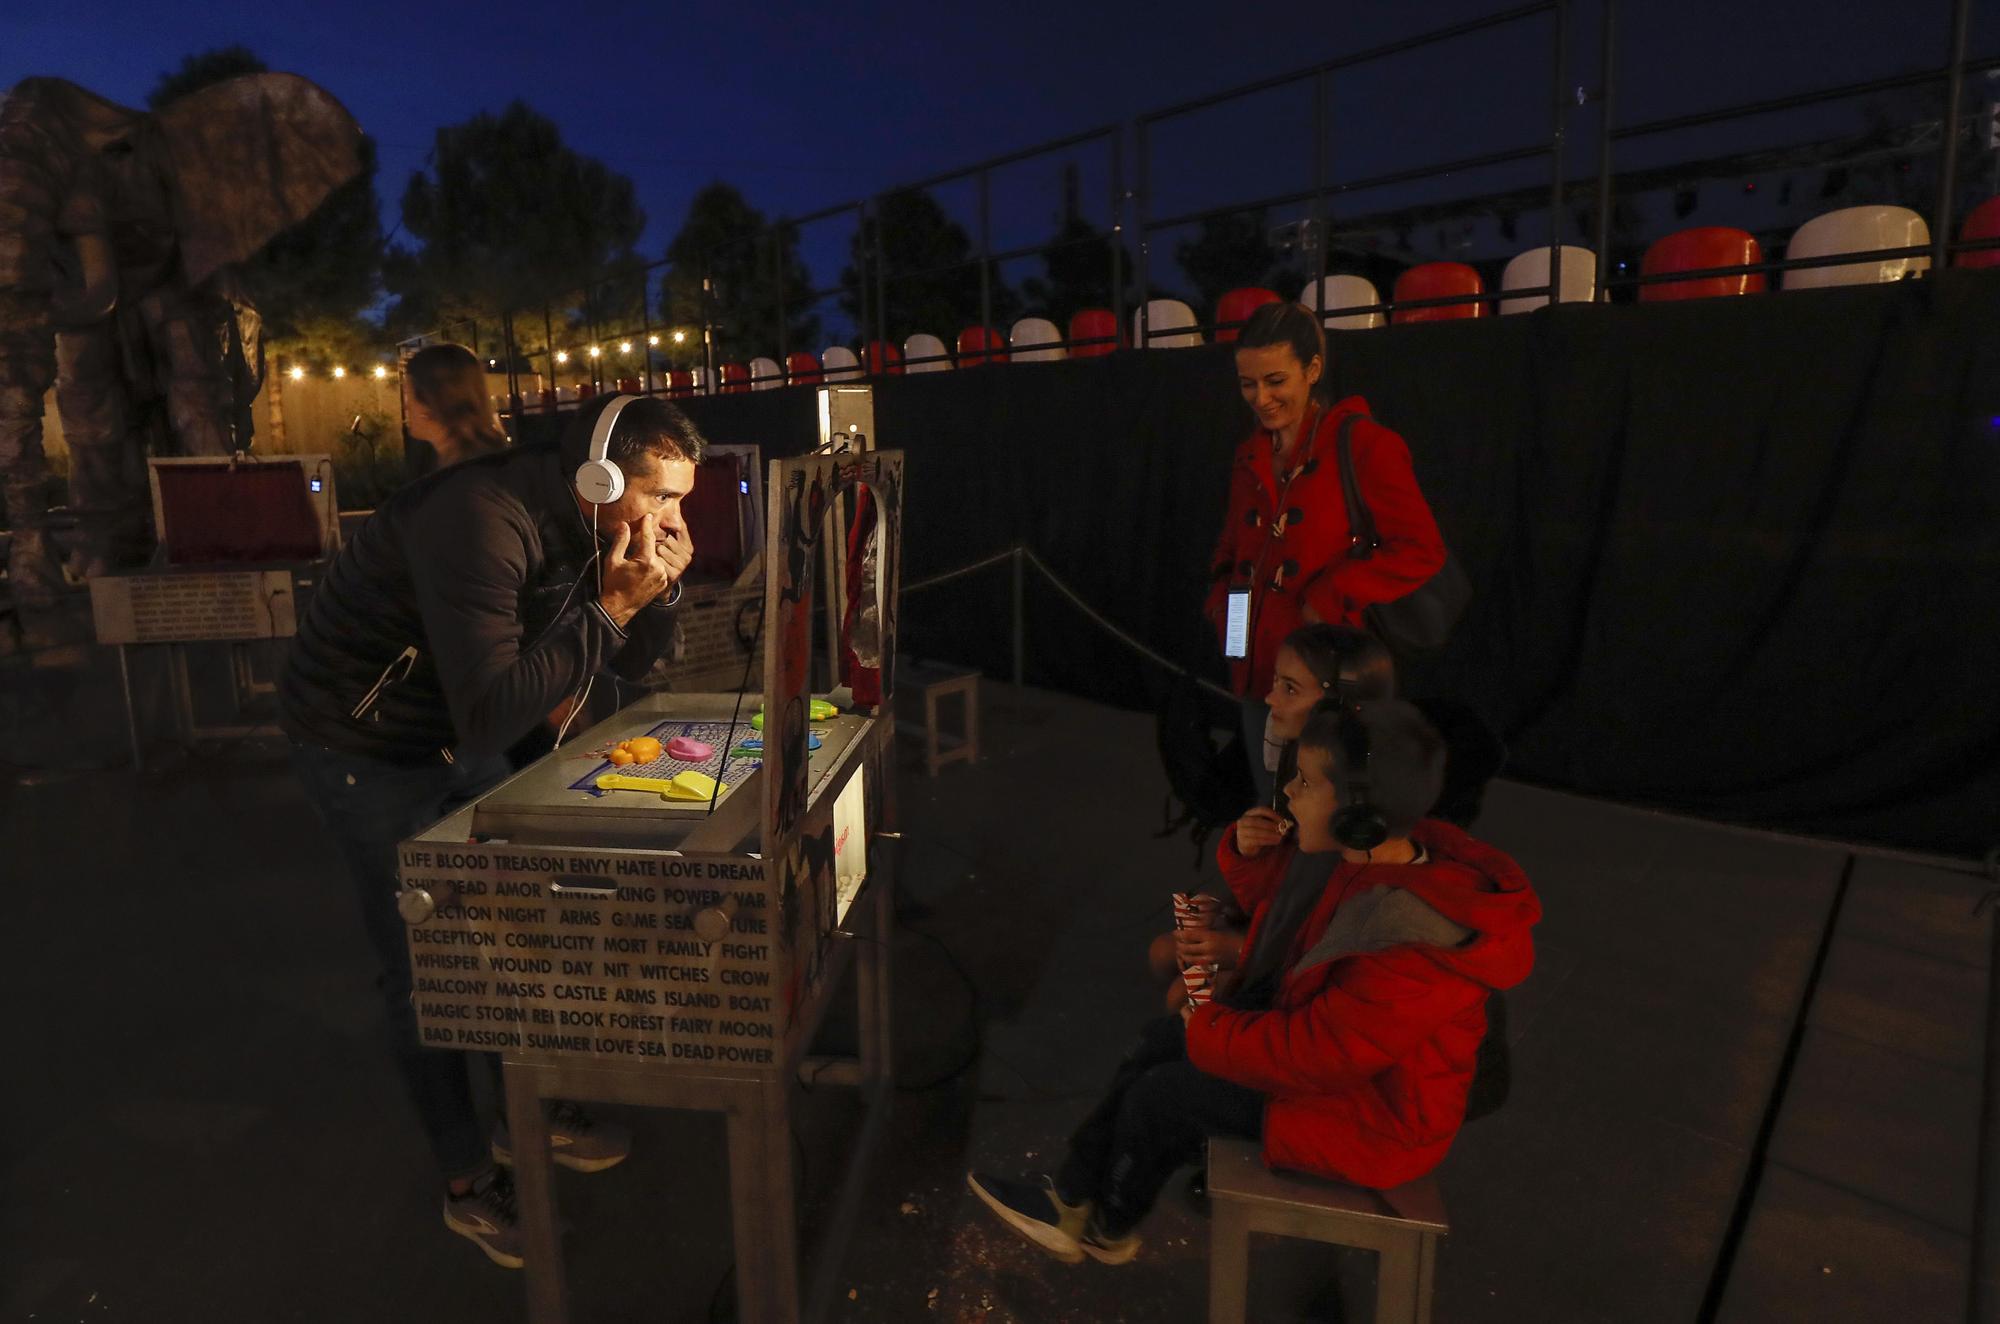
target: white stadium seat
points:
(1530, 268)
(1858, 230)
(1167, 321)
(923, 345)
(1030, 335)
(1337, 292)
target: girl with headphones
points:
(1349, 1039)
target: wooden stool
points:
(1401, 1226)
(966, 745)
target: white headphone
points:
(599, 480)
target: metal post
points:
(1117, 235)
(131, 710)
(881, 288)
(1020, 624)
(1142, 236)
(1560, 77)
(1607, 83)
(513, 378)
(778, 268)
(707, 332)
(985, 247)
(1948, 171)
(549, 335)
(646, 328)
(1316, 224)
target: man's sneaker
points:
(576, 1140)
(486, 1214)
(1034, 1210)
(1105, 1249)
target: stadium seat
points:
(765, 374)
(1530, 268)
(1857, 230)
(803, 369)
(1983, 223)
(1166, 325)
(980, 344)
(680, 382)
(1438, 280)
(884, 359)
(923, 345)
(628, 386)
(1093, 324)
(586, 391)
(840, 363)
(1034, 340)
(1235, 307)
(1698, 249)
(735, 378)
(1337, 292)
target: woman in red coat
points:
(1285, 539)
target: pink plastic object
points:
(683, 750)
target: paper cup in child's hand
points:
(1187, 914)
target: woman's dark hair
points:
(1405, 757)
(450, 382)
(1285, 323)
(1352, 665)
(646, 426)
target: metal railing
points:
(870, 286)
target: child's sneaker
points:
(1034, 1210)
(577, 1140)
(1106, 1249)
(486, 1214)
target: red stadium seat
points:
(1437, 280)
(1093, 324)
(802, 366)
(981, 344)
(628, 386)
(884, 359)
(735, 378)
(1983, 223)
(585, 391)
(680, 382)
(1698, 249)
(1235, 307)
(549, 399)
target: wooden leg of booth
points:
(762, 1204)
(534, 1188)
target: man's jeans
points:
(370, 807)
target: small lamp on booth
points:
(338, 373)
(624, 347)
(380, 372)
(680, 337)
(562, 356)
(594, 351)
(298, 374)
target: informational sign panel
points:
(561, 952)
(191, 606)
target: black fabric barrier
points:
(1736, 557)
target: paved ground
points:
(1747, 1070)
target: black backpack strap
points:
(1362, 538)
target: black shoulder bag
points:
(1421, 620)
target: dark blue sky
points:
(802, 105)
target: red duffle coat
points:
(1286, 536)
(1368, 1050)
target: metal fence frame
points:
(875, 278)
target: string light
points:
(338, 373)
(652, 340)
(562, 356)
(624, 347)
(298, 374)
(680, 337)
(594, 351)
(380, 372)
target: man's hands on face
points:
(643, 562)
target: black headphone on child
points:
(1357, 823)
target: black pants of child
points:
(1154, 1119)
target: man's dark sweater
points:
(477, 567)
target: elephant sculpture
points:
(122, 234)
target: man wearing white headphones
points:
(470, 607)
